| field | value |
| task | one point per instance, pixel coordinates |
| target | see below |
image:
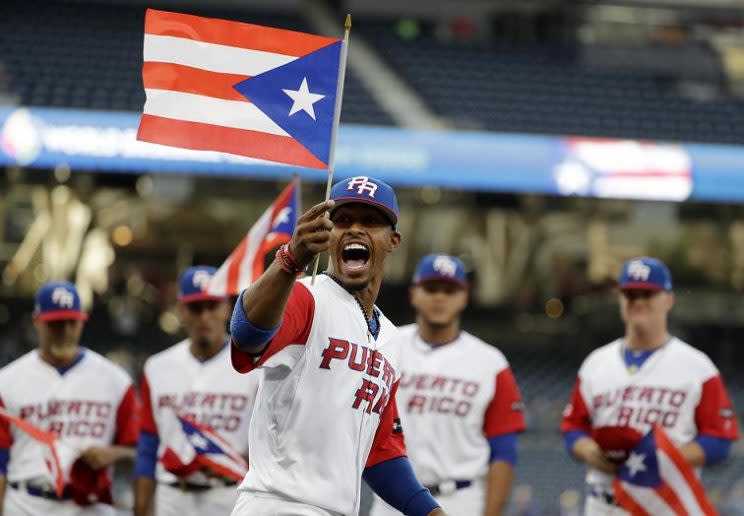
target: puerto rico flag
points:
(58, 456)
(191, 447)
(656, 480)
(238, 88)
(246, 263)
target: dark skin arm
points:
(144, 493)
(499, 482)
(265, 300)
(3, 485)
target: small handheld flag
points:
(244, 89)
(246, 263)
(656, 480)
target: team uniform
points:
(211, 393)
(326, 408)
(620, 394)
(452, 399)
(89, 403)
(677, 387)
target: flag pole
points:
(336, 120)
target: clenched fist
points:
(312, 233)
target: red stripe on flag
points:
(667, 494)
(664, 444)
(234, 34)
(233, 271)
(186, 79)
(626, 501)
(200, 136)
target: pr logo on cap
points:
(58, 301)
(440, 267)
(362, 183)
(645, 273)
(194, 283)
(638, 270)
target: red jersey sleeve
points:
(389, 442)
(295, 329)
(505, 412)
(147, 416)
(714, 415)
(6, 437)
(576, 415)
(127, 419)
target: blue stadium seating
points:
(550, 91)
(79, 55)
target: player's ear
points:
(395, 239)
(670, 300)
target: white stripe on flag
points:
(209, 110)
(677, 482)
(649, 500)
(211, 56)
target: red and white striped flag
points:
(58, 456)
(246, 263)
(656, 480)
(244, 89)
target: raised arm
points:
(263, 303)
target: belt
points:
(189, 487)
(448, 487)
(602, 495)
(42, 491)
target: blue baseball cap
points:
(366, 190)
(193, 283)
(58, 301)
(440, 267)
(645, 273)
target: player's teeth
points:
(350, 247)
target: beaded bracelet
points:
(287, 262)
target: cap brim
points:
(390, 214)
(195, 298)
(639, 285)
(62, 315)
(447, 279)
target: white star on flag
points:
(199, 441)
(635, 463)
(282, 216)
(303, 100)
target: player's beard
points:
(203, 344)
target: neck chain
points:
(375, 316)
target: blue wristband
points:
(247, 337)
(4, 459)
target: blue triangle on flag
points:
(642, 466)
(315, 73)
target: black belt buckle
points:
(448, 487)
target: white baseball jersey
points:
(91, 403)
(326, 408)
(452, 398)
(208, 391)
(677, 387)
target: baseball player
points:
(647, 377)
(459, 402)
(194, 378)
(83, 398)
(326, 415)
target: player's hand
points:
(312, 234)
(437, 512)
(588, 451)
(98, 457)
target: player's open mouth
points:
(355, 256)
